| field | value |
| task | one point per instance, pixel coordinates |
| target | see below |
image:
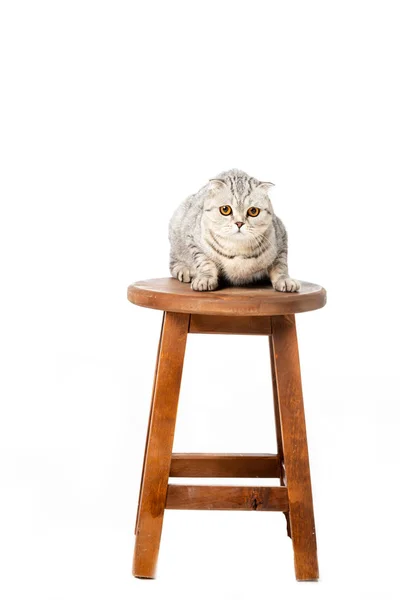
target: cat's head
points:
(237, 209)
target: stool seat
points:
(171, 295)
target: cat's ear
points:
(267, 185)
(218, 183)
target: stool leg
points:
(157, 462)
(294, 442)
(148, 427)
(278, 428)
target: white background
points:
(111, 114)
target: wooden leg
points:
(282, 475)
(294, 446)
(159, 444)
(148, 426)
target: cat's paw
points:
(182, 272)
(203, 283)
(287, 284)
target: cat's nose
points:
(239, 224)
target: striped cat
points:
(229, 230)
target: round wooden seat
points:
(171, 295)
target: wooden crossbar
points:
(237, 325)
(212, 497)
(225, 465)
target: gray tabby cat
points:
(229, 229)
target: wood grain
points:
(160, 440)
(295, 451)
(212, 497)
(229, 325)
(225, 465)
(171, 295)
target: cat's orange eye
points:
(225, 210)
(253, 211)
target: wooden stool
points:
(244, 310)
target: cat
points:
(228, 230)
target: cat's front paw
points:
(181, 272)
(204, 283)
(287, 284)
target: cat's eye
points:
(225, 210)
(253, 211)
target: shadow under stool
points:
(234, 310)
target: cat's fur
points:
(206, 245)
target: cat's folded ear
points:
(266, 185)
(217, 183)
